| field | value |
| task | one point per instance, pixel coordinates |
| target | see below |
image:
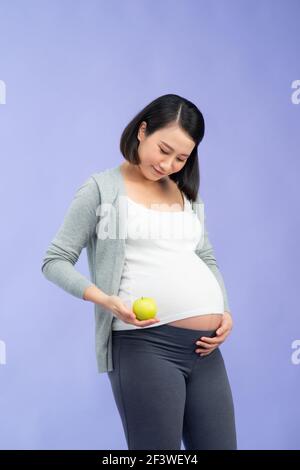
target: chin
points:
(156, 174)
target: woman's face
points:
(166, 150)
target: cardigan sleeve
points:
(78, 226)
(206, 253)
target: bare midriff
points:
(200, 322)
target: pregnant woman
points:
(167, 374)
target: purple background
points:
(76, 72)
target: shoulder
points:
(198, 207)
(102, 179)
(105, 182)
(199, 199)
(106, 176)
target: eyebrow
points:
(167, 145)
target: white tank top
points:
(160, 262)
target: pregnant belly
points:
(200, 322)
(183, 287)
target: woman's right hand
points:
(120, 310)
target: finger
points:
(207, 353)
(131, 316)
(205, 345)
(204, 352)
(146, 322)
(223, 329)
(209, 340)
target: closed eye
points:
(166, 153)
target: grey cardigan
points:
(84, 225)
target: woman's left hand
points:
(207, 345)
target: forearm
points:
(96, 295)
(64, 275)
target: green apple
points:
(144, 308)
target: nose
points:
(164, 169)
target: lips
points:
(159, 172)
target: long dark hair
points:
(163, 111)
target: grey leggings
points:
(165, 391)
